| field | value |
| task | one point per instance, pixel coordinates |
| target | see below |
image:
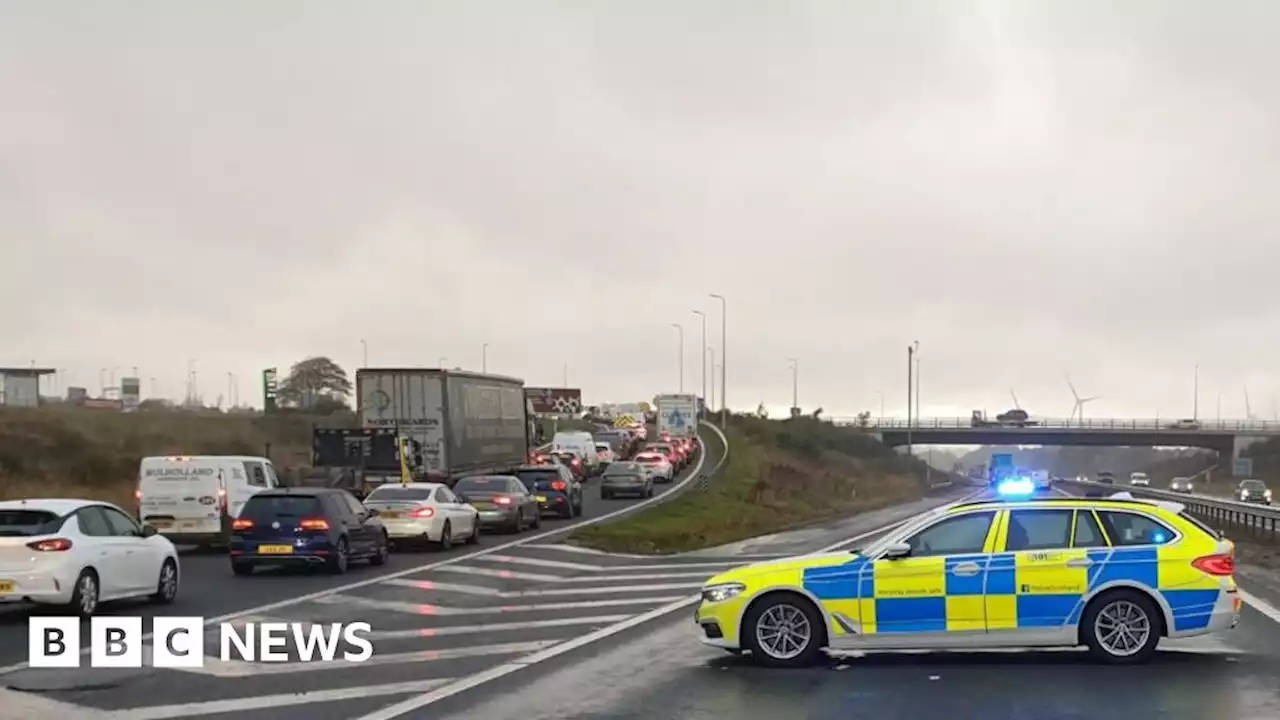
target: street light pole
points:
(917, 347)
(703, 316)
(795, 385)
(484, 358)
(711, 401)
(365, 346)
(911, 362)
(680, 328)
(724, 358)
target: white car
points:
(606, 454)
(657, 465)
(1139, 479)
(427, 512)
(81, 553)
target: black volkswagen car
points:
(324, 527)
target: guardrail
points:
(1258, 519)
(1103, 424)
(704, 480)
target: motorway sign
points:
(1242, 467)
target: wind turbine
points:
(1077, 412)
(1248, 409)
(1016, 406)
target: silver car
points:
(626, 478)
(1181, 485)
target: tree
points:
(312, 380)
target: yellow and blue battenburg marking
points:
(1002, 591)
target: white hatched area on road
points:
(453, 620)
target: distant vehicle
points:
(1016, 417)
(555, 488)
(573, 462)
(193, 500)
(1253, 491)
(320, 527)
(628, 478)
(668, 449)
(617, 440)
(1139, 479)
(503, 501)
(1000, 468)
(1041, 479)
(1106, 477)
(677, 415)
(605, 451)
(1181, 485)
(81, 553)
(424, 512)
(1185, 424)
(580, 443)
(462, 423)
(658, 464)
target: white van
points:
(582, 444)
(193, 500)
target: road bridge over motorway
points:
(1222, 436)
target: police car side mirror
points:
(897, 551)
(149, 530)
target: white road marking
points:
(564, 547)
(1260, 605)
(430, 585)
(482, 552)
(501, 671)
(427, 609)
(638, 576)
(239, 668)
(723, 564)
(502, 574)
(16, 704)
(263, 702)
(539, 562)
(428, 633)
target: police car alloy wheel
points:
(1122, 627)
(784, 631)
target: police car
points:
(1113, 574)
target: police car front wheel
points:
(1122, 627)
(784, 631)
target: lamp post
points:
(703, 316)
(795, 385)
(364, 346)
(484, 358)
(724, 358)
(911, 362)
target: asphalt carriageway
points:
(581, 657)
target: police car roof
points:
(1120, 498)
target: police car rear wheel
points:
(1122, 627)
(784, 631)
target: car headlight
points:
(720, 593)
(1267, 494)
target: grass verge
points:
(780, 475)
(77, 452)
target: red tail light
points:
(137, 495)
(425, 512)
(222, 500)
(502, 501)
(1215, 564)
(54, 545)
(314, 524)
(560, 485)
(576, 461)
(242, 524)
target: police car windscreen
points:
(260, 507)
(24, 523)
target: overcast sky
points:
(1027, 188)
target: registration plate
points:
(391, 515)
(161, 524)
(542, 498)
(275, 549)
(482, 505)
(7, 586)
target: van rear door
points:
(179, 495)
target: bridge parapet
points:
(1233, 427)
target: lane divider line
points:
(487, 676)
(671, 492)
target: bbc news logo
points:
(179, 642)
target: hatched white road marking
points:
(428, 633)
(429, 585)
(539, 562)
(502, 574)
(240, 668)
(638, 576)
(427, 609)
(264, 702)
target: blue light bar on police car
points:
(1016, 486)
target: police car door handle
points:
(1080, 563)
(966, 569)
